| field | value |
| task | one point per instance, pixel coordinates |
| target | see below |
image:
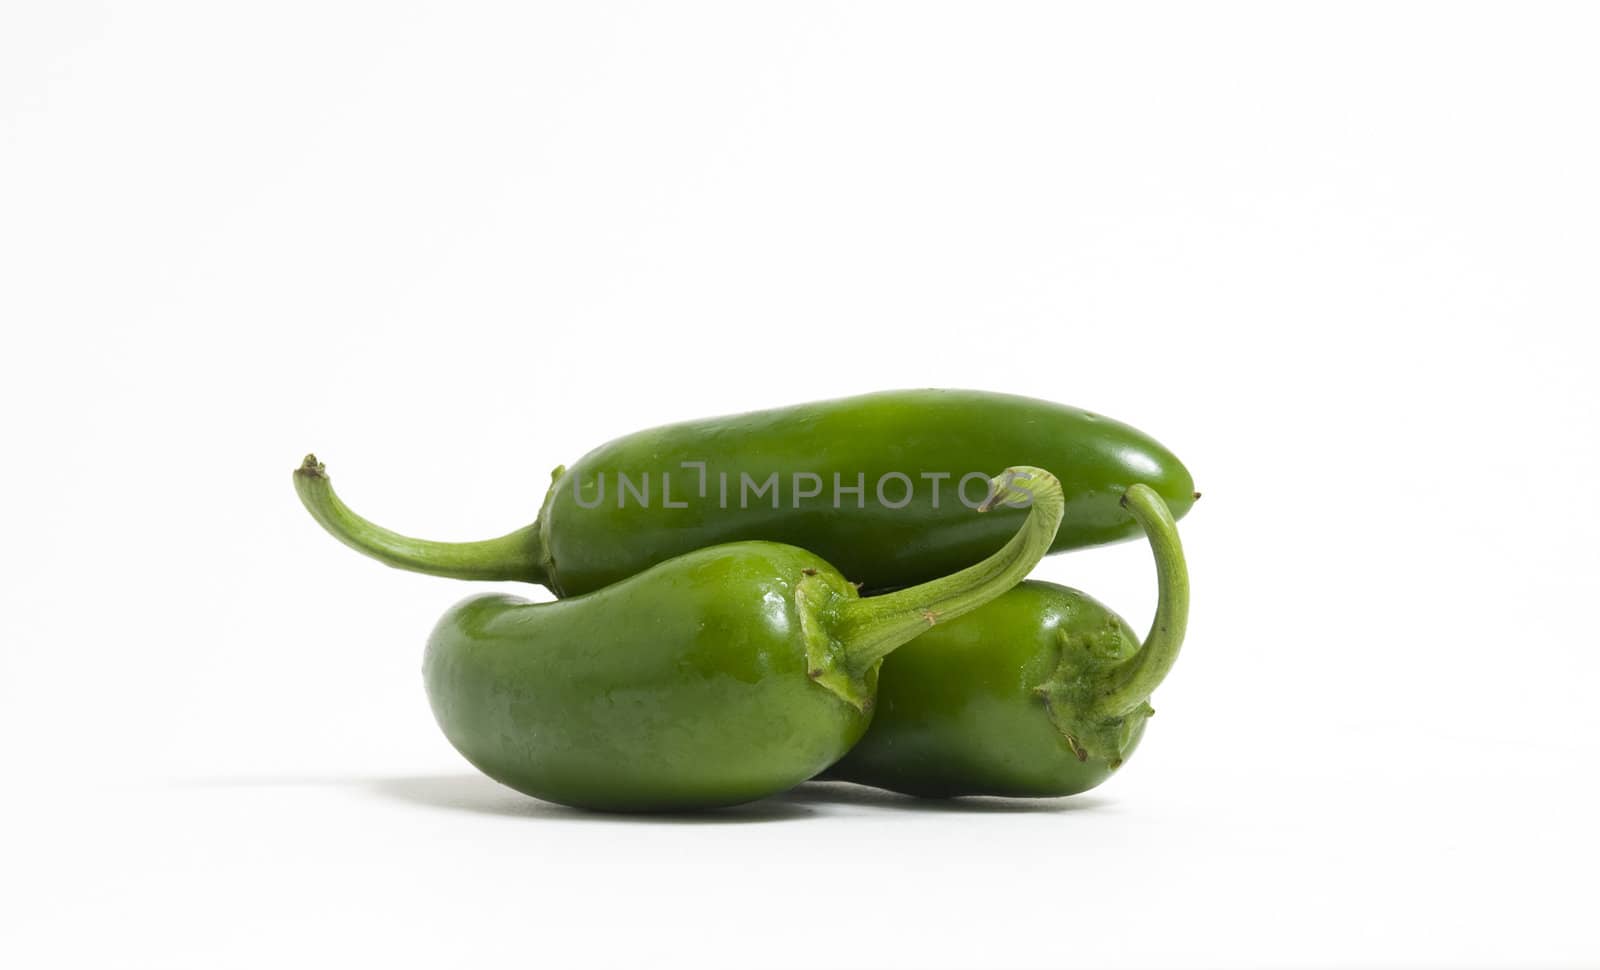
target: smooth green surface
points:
(1041, 692)
(720, 676)
(684, 687)
(575, 549)
(958, 713)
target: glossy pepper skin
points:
(717, 677)
(1041, 692)
(683, 687)
(583, 541)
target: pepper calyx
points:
(1074, 693)
(827, 659)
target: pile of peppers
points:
(831, 590)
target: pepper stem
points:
(1142, 673)
(869, 629)
(517, 556)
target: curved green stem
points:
(519, 555)
(871, 628)
(1137, 678)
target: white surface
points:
(1341, 261)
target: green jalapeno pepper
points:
(717, 677)
(881, 486)
(1041, 692)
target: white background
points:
(1343, 260)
